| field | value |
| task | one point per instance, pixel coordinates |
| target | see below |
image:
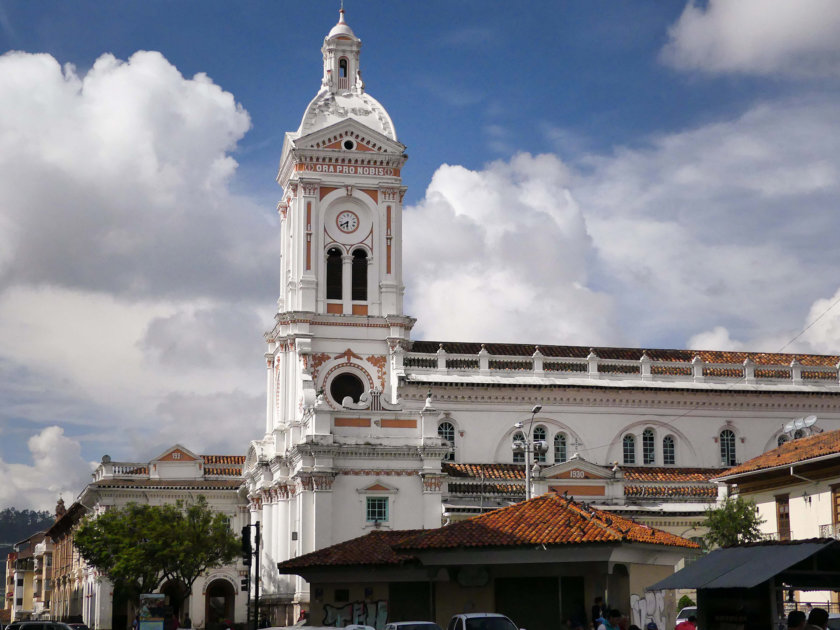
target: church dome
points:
(342, 28)
(342, 94)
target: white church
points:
(367, 428)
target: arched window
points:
(334, 273)
(727, 448)
(629, 448)
(669, 456)
(782, 439)
(446, 430)
(540, 435)
(560, 448)
(342, 68)
(648, 447)
(519, 455)
(360, 267)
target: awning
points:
(741, 567)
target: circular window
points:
(346, 384)
(349, 145)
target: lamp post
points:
(529, 447)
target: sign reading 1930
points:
(346, 169)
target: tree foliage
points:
(736, 521)
(139, 547)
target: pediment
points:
(366, 139)
(577, 468)
(378, 487)
(177, 453)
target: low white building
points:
(796, 489)
(177, 474)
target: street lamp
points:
(529, 446)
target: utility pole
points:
(249, 552)
(257, 576)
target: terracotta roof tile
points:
(487, 471)
(679, 475)
(236, 460)
(794, 451)
(477, 487)
(550, 519)
(633, 354)
(671, 492)
(205, 484)
(375, 548)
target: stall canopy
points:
(746, 566)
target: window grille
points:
(559, 448)
(648, 447)
(629, 449)
(519, 456)
(668, 451)
(377, 509)
(727, 448)
(446, 431)
(539, 435)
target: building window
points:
(446, 431)
(668, 451)
(727, 448)
(342, 67)
(334, 274)
(782, 439)
(360, 269)
(519, 454)
(629, 444)
(560, 448)
(648, 447)
(377, 510)
(783, 517)
(539, 436)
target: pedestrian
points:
(135, 625)
(612, 622)
(796, 620)
(598, 611)
(817, 619)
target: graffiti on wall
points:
(359, 612)
(648, 607)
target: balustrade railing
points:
(595, 367)
(830, 531)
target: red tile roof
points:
(487, 471)
(375, 548)
(671, 492)
(655, 473)
(550, 519)
(792, 452)
(633, 354)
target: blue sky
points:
(657, 174)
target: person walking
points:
(817, 619)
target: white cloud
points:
(57, 469)
(728, 228)
(488, 250)
(130, 275)
(763, 37)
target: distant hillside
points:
(16, 525)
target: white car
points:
(480, 621)
(412, 625)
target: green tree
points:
(736, 521)
(139, 547)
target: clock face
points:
(347, 221)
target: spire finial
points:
(341, 13)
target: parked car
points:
(78, 626)
(480, 621)
(38, 625)
(684, 614)
(412, 625)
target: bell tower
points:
(341, 210)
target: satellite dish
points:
(788, 428)
(810, 421)
(799, 423)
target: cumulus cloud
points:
(762, 37)
(488, 250)
(57, 469)
(714, 237)
(130, 274)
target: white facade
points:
(175, 475)
(329, 468)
